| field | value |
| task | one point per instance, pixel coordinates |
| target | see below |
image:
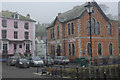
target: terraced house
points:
(16, 34)
(68, 34)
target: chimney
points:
(28, 16)
(59, 14)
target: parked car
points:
(61, 60)
(22, 62)
(12, 60)
(47, 60)
(36, 61)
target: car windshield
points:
(36, 59)
(23, 60)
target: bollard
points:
(77, 72)
(64, 66)
(61, 70)
(105, 75)
(37, 69)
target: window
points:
(58, 31)
(52, 50)
(26, 35)
(88, 27)
(5, 48)
(16, 16)
(99, 49)
(20, 46)
(4, 33)
(88, 49)
(15, 24)
(69, 29)
(27, 47)
(109, 29)
(26, 25)
(119, 32)
(4, 23)
(52, 33)
(72, 28)
(110, 49)
(71, 49)
(15, 34)
(93, 26)
(97, 28)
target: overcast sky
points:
(45, 12)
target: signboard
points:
(83, 52)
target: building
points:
(68, 34)
(41, 46)
(17, 34)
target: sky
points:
(45, 11)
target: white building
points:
(40, 47)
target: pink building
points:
(17, 34)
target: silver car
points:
(61, 60)
(36, 61)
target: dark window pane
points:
(26, 35)
(20, 46)
(4, 23)
(15, 34)
(99, 49)
(4, 33)
(58, 31)
(68, 29)
(15, 24)
(26, 25)
(110, 49)
(88, 49)
(73, 49)
(69, 49)
(72, 28)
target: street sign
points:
(83, 52)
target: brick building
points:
(68, 34)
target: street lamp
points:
(89, 9)
(46, 48)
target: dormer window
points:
(15, 16)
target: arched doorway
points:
(58, 50)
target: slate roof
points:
(74, 13)
(8, 14)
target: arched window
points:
(109, 29)
(93, 25)
(99, 49)
(97, 28)
(88, 49)
(110, 49)
(88, 27)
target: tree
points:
(105, 9)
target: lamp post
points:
(89, 9)
(46, 48)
